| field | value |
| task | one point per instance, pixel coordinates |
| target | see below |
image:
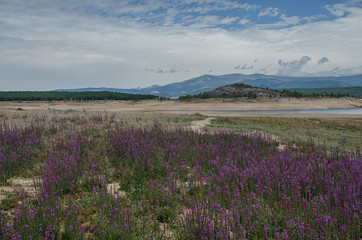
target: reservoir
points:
(318, 111)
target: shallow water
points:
(318, 111)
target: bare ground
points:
(199, 126)
(177, 107)
(194, 105)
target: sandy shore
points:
(195, 105)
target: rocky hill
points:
(242, 90)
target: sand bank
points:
(195, 105)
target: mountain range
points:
(208, 82)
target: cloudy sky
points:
(51, 44)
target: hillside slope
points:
(241, 90)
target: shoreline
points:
(279, 104)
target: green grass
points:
(336, 133)
(188, 118)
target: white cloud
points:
(244, 67)
(49, 45)
(323, 60)
(337, 9)
(159, 70)
(272, 12)
(244, 21)
(292, 68)
(228, 20)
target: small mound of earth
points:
(114, 188)
(4, 191)
(21, 182)
(17, 184)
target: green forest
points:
(355, 92)
(294, 93)
(70, 96)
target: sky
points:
(53, 44)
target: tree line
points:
(206, 95)
(71, 96)
(253, 95)
(295, 94)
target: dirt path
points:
(199, 126)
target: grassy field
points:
(81, 175)
(332, 133)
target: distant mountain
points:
(102, 89)
(209, 82)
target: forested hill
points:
(69, 96)
(241, 90)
